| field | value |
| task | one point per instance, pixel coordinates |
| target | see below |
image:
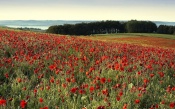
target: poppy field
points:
(46, 71)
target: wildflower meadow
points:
(47, 71)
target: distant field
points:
(119, 35)
(145, 39)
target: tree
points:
(52, 29)
(164, 29)
(135, 26)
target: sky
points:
(153, 10)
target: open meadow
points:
(117, 71)
(144, 39)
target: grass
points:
(121, 35)
(144, 39)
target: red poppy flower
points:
(52, 67)
(173, 88)
(35, 91)
(151, 75)
(105, 92)
(139, 73)
(101, 107)
(91, 89)
(6, 75)
(23, 104)
(157, 106)
(117, 86)
(161, 74)
(73, 90)
(64, 85)
(92, 49)
(44, 107)
(109, 80)
(91, 69)
(81, 91)
(19, 80)
(118, 98)
(52, 80)
(145, 81)
(172, 105)
(162, 102)
(24, 88)
(117, 66)
(137, 101)
(120, 93)
(40, 100)
(68, 79)
(168, 89)
(2, 102)
(103, 80)
(125, 106)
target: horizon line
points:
(80, 20)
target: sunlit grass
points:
(145, 39)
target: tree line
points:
(104, 27)
(135, 26)
(164, 29)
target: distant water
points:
(28, 26)
(45, 24)
(40, 24)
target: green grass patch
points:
(120, 35)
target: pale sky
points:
(154, 10)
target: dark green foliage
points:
(105, 27)
(53, 29)
(164, 29)
(135, 26)
(102, 27)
